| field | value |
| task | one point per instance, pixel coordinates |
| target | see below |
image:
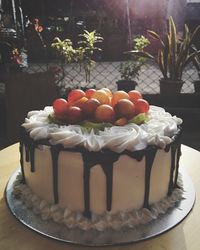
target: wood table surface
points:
(15, 236)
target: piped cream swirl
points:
(157, 131)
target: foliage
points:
(86, 50)
(83, 54)
(141, 43)
(175, 53)
(130, 69)
(196, 61)
(64, 49)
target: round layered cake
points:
(99, 174)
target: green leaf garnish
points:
(139, 119)
(88, 125)
(53, 119)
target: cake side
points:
(95, 182)
(130, 213)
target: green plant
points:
(83, 54)
(175, 53)
(196, 61)
(130, 69)
(64, 50)
(86, 49)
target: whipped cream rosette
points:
(158, 130)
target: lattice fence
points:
(118, 22)
(106, 74)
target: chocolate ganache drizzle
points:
(106, 159)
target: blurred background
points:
(118, 22)
(25, 49)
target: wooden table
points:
(15, 236)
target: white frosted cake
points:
(100, 175)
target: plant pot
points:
(197, 86)
(170, 87)
(126, 85)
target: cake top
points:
(95, 120)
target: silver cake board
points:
(60, 232)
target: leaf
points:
(196, 63)
(53, 119)
(161, 63)
(139, 119)
(165, 56)
(191, 57)
(180, 59)
(156, 36)
(172, 47)
(184, 50)
(140, 54)
(195, 33)
(186, 30)
(94, 125)
(153, 34)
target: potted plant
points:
(130, 69)
(173, 56)
(83, 54)
(85, 51)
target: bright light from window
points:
(193, 1)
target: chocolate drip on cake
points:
(175, 156)
(149, 160)
(55, 151)
(21, 150)
(137, 155)
(171, 181)
(32, 157)
(86, 178)
(105, 159)
(27, 154)
(149, 154)
(30, 146)
(177, 165)
(108, 170)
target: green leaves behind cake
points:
(86, 125)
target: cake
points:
(101, 169)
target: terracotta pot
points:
(197, 86)
(126, 85)
(170, 87)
